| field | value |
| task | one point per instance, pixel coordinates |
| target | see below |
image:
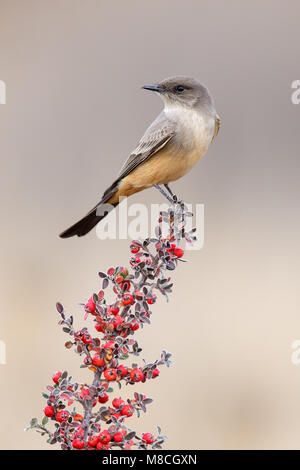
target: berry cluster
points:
(101, 426)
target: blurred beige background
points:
(73, 71)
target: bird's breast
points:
(194, 132)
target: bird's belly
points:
(170, 163)
(161, 169)
(173, 166)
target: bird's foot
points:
(174, 197)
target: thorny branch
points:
(134, 293)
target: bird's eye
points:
(180, 89)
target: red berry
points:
(98, 361)
(49, 411)
(134, 326)
(110, 374)
(109, 345)
(136, 375)
(62, 416)
(113, 310)
(101, 446)
(86, 338)
(117, 402)
(172, 247)
(135, 249)
(90, 305)
(80, 433)
(148, 437)
(103, 398)
(93, 441)
(151, 300)
(78, 417)
(83, 393)
(56, 377)
(125, 285)
(99, 327)
(118, 437)
(118, 321)
(119, 279)
(155, 373)
(104, 437)
(127, 299)
(78, 444)
(123, 370)
(127, 410)
(178, 252)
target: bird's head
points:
(183, 91)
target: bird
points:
(168, 150)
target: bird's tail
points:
(83, 226)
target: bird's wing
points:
(156, 137)
(158, 134)
(217, 127)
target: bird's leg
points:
(163, 193)
(171, 192)
(181, 203)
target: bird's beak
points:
(154, 88)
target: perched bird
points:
(169, 149)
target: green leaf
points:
(33, 422)
(44, 421)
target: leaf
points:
(143, 408)
(147, 401)
(105, 283)
(168, 286)
(130, 436)
(45, 420)
(102, 275)
(33, 422)
(158, 231)
(171, 266)
(59, 307)
(101, 294)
